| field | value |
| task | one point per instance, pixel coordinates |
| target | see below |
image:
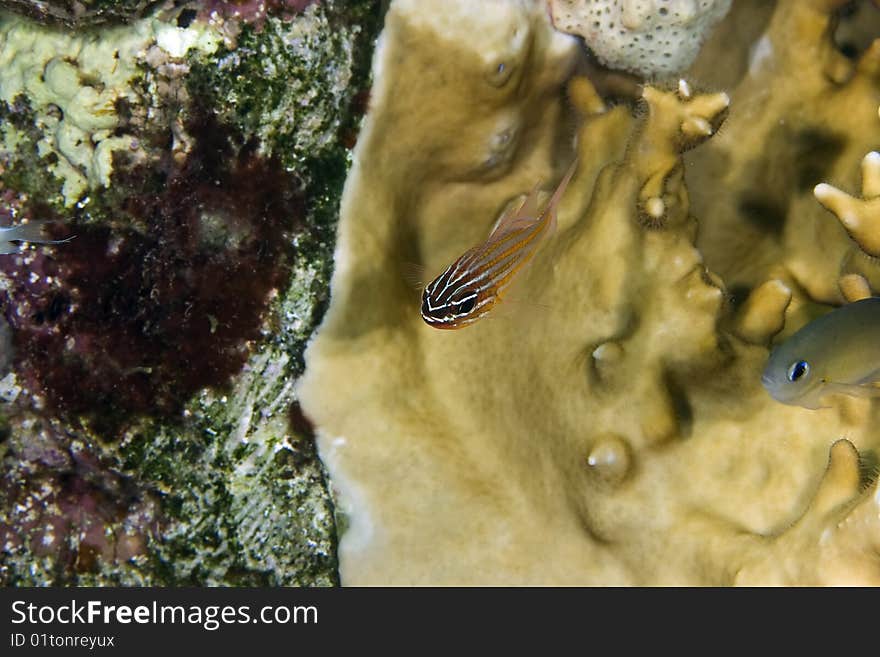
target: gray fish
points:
(838, 353)
(29, 232)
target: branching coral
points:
(763, 314)
(686, 125)
(611, 428)
(607, 426)
(803, 114)
(860, 217)
(845, 520)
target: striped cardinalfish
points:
(471, 286)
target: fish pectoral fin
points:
(414, 275)
(854, 389)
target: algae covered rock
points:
(151, 431)
(81, 13)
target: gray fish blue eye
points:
(797, 370)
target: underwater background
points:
(219, 374)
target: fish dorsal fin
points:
(515, 217)
(527, 213)
(557, 195)
(529, 208)
(414, 275)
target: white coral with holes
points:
(652, 38)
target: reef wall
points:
(608, 425)
(196, 152)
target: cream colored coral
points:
(602, 429)
(763, 314)
(802, 114)
(837, 539)
(854, 287)
(860, 216)
(653, 38)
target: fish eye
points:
(467, 305)
(798, 370)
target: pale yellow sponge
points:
(652, 38)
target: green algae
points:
(297, 87)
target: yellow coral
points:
(835, 542)
(860, 216)
(606, 431)
(802, 114)
(763, 314)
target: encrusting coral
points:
(649, 37)
(611, 426)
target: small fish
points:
(838, 353)
(29, 232)
(469, 288)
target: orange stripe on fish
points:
(469, 288)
